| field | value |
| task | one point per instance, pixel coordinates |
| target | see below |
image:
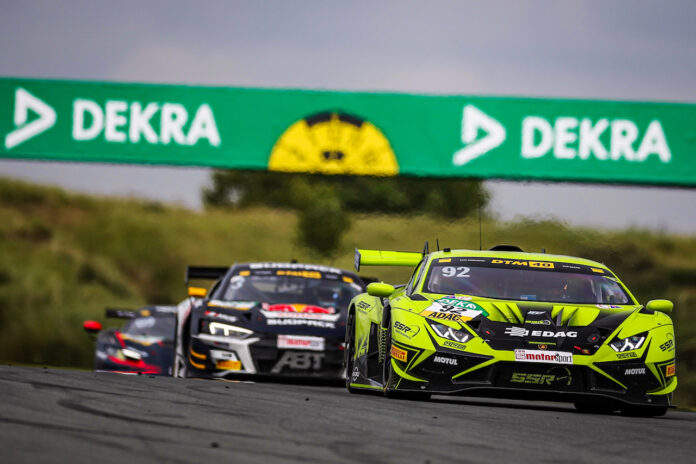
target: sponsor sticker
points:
(537, 264)
(229, 364)
(635, 371)
(238, 305)
(607, 306)
(454, 345)
(298, 361)
(626, 355)
(460, 308)
(670, 370)
(668, 345)
(445, 360)
(302, 322)
(398, 354)
(522, 332)
(408, 331)
(300, 342)
(553, 357)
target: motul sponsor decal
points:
(635, 371)
(522, 332)
(445, 360)
(300, 342)
(554, 357)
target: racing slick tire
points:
(644, 411)
(349, 350)
(388, 373)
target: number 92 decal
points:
(459, 271)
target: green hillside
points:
(64, 257)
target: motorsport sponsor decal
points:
(626, 355)
(298, 308)
(538, 322)
(670, 370)
(635, 371)
(453, 345)
(295, 266)
(458, 307)
(408, 331)
(668, 345)
(356, 373)
(222, 316)
(276, 313)
(513, 262)
(536, 313)
(363, 306)
(445, 360)
(399, 354)
(522, 332)
(298, 361)
(302, 322)
(556, 376)
(553, 357)
(303, 273)
(238, 305)
(608, 306)
(301, 342)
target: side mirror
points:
(663, 306)
(197, 292)
(380, 289)
(92, 327)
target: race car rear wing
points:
(205, 272)
(386, 258)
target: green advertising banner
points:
(349, 132)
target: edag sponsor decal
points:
(554, 357)
(300, 342)
(522, 332)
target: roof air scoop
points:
(506, 248)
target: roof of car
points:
(516, 255)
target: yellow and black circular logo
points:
(333, 143)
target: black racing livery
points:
(265, 319)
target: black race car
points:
(143, 345)
(273, 319)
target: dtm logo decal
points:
(299, 361)
(522, 332)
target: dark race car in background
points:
(143, 345)
(273, 319)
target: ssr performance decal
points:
(408, 331)
(301, 342)
(539, 356)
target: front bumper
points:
(222, 357)
(476, 375)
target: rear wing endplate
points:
(386, 258)
(205, 272)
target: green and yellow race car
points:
(505, 323)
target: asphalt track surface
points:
(52, 415)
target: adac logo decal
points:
(24, 101)
(334, 143)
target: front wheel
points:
(349, 351)
(388, 375)
(644, 411)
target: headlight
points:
(218, 328)
(628, 344)
(449, 333)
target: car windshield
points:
(150, 326)
(284, 289)
(528, 284)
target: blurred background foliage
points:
(64, 257)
